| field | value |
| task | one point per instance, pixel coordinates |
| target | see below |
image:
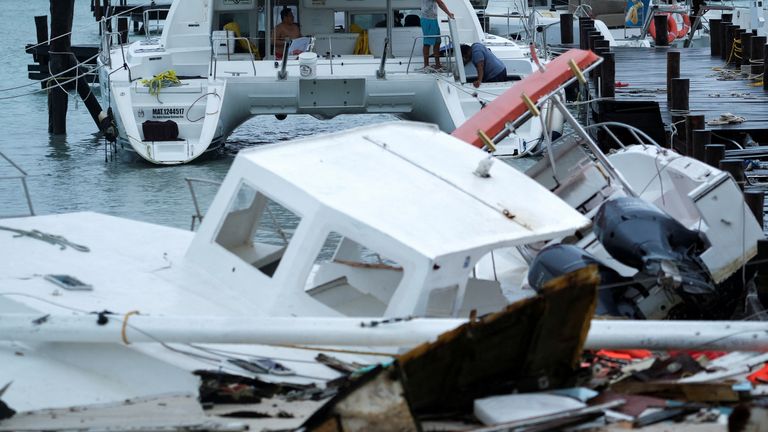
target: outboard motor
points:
(664, 252)
(615, 293)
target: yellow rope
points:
(164, 79)
(125, 325)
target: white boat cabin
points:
(369, 223)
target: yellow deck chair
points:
(245, 44)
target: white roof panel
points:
(417, 184)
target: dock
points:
(715, 88)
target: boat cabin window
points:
(353, 279)
(258, 229)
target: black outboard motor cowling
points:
(560, 259)
(641, 236)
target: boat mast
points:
(390, 24)
(268, 30)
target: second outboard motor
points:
(640, 235)
(615, 293)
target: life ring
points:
(671, 28)
(685, 26)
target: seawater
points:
(69, 173)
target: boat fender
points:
(672, 30)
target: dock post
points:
(592, 36)
(679, 95)
(41, 28)
(726, 41)
(673, 70)
(60, 60)
(726, 18)
(755, 200)
(735, 167)
(765, 66)
(122, 28)
(756, 55)
(713, 154)
(585, 26)
(662, 32)
(608, 75)
(692, 123)
(566, 29)
(746, 49)
(715, 30)
(678, 108)
(701, 138)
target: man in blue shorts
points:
(430, 29)
(489, 67)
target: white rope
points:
(58, 84)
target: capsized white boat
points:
(670, 232)
(341, 66)
(301, 237)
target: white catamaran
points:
(216, 64)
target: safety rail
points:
(198, 216)
(107, 41)
(214, 56)
(23, 177)
(413, 49)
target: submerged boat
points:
(216, 64)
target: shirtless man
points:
(287, 29)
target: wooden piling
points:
(122, 29)
(679, 94)
(593, 36)
(715, 36)
(601, 43)
(726, 41)
(566, 29)
(41, 28)
(765, 66)
(735, 167)
(662, 32)
(713, 154)
(756, 54)
(61, 26)
(755, 200)
(608, 75)
(746, 48)
(692, 123)
(701, 138)
(673, 70)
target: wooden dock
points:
(714, 88)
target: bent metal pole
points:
(608, 334)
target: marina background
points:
(68, 173)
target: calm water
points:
(69, 173)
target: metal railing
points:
(413, 49)
(214, 55)
(23, 177)
(198, 216)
